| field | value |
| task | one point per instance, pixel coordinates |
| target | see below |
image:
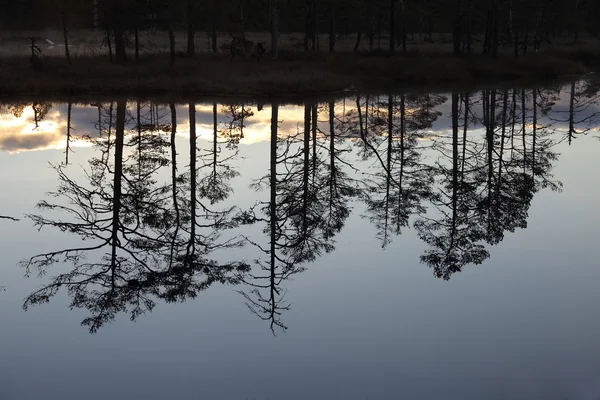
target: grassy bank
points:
(294, 73)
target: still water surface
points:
(422, 246)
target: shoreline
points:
(293, 76)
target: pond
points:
(417, 245)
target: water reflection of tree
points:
(393, 137)
(141, 243)
(582, 114)
(452, 232)
(149, 240)
(215, 184)
(487, 187)
(307, 207)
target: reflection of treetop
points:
(146, 241)
(142, 242)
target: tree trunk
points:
(392, 26)
(117, 19)
(358, 38)
(191, 247)
(469, 27)
(109, 44)
(171, 46)
(68, 147)
(274, 30)
(495, 34)
(63, 15)
(571, 113)
(117, 181)
(457, 30)
(404, 27)
(120, 52)
(191, 45)
(214, 26)
(137, 45)
(315, 32)
(371, 17)
(576, 33)
(332, 31)
(95, 14)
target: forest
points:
(162, 214)
(374, 42)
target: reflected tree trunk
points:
(273, 209)
(191, 47)
(191, 248)
(571, 113)
(63, 17)
(214, 27)
(274, 30)
(174, 189)
(68, 146)
(117, 184)
(454, 172)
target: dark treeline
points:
(472, 27)
(150, 238)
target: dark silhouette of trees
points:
(215, 185)
(150, 225)
(454, 236)
(191, 46)
(143, 240)
(487, 188)
(402, 183)
(307, 207)
(274, 29)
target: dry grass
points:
(294, 73)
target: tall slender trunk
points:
(120, 52)
(274, 30)
(576, 27)
(63, 15)
(273, 199)
(332, 167)
(371, 17)
(109, 42)
(402, 158)
(191, 46)
(214, 27)
(314, 140)
(117, 184)
(171, 45)
(534, 132)
(404, 26)
(358, 39)
(174, 189)
(191, 247)
(388, 174)
(137, 45)
(454, 172)
(524, 128)
(464, 138)
(306, 169)
(457, 30)
(332, 30)
(469, 27)
(95, 14)
(68, 146)
(571, 112)
(495, 31)
(117, 18)
(392, 26)
(501, 151)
